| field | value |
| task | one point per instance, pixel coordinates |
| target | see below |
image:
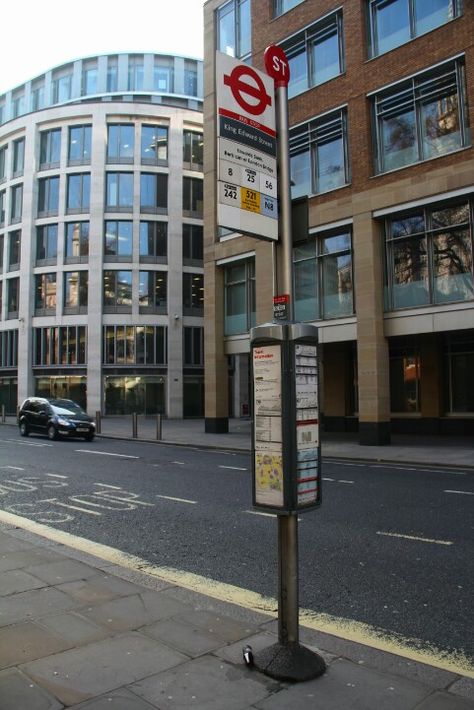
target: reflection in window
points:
(45, 293)
(64, 345)
(153, 240)
(14, 250)
(117, 290)
(192, 243)
(48, 196)
(459, 360)
(192, 150)
(135, 73)
(394, 22)
(138, 345)
(239, 297)
(315, 55)
(89, 81)
(3, 162)
(193, 293)
(50, 148)
(78, 192)
(190, 78)
(404, 379)
(281, 6)
(234, 28)
(429, 257)
(61, 89)
(112, 75)
(79, 148)
(318, 155)
(119, 192)
(163, 76)
(153, 289)
(154, 145)
(47, 242)
(75, 291)
(153, 192)
(421, 118)
(194, 346)
(77, 241)
(8, 345)
(323, 277)
(3, 197)
(13, 297)
(193, 197)
(120, 143)
(118, 239)
(18, 157)
(16, 203)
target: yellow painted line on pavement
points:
(326, 623)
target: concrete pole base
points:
(289, 662)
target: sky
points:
(38, 36)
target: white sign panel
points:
(246, 149)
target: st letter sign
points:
(246, 149)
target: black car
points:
(54, 417)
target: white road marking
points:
(461, 493)
(179, 463)
(325, 478)
(55, 475)
(73, 507)
(233, 468)
(13, 468)
(414, 537)
(341, 480)
(105, 485)
(264, 515)
(178, 500)
(336, 480)
(105, 453)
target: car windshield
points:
(66, 407)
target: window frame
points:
(115, 231)
(43, 235)
(42, 307)
(234, 7)
(82, 300)
(49, 146)
(159, 189)
(84, 193)
(153, 277)
(81, 239)
(45, 188)
(118, 142)
(249, 312)
(160, 254)
(116, 306)
(119, 176)
(84, 140)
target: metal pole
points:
(98, 422)
(134, 425)
(158, 427)
(3, 414)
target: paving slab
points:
(219, 625)
(83, 673)
(99, 588)
(347, 685)
(73, 628)
(27, 558)
(463, 687)
(135, 611)
(444, 701)
(183, 637)
(26, 642)
(13, 544)
(17, 580)
(122, 699)
(206, 683)
(36, 603)
(18, 692)
(62, 571)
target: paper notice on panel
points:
(267, 380)
(269, 478)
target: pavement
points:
(78, 630)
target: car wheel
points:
(52, 433)
(89, 437)
(24, 429)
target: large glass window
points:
(18, 157)
(404, 379)
(3, 197)
(3, 162)
(117, 291)
(239, 297)
(119, 196)
(45, 293)
(120, 143)
(8, 349)
(77, 241)
(118, 244)
(163, 76)
(138, 345)
(234, 28)
(135, 73)
(38, 98)
(78, 192)
(153, 288)
(323, 277)
(153, 241)
(421, 118)
(319, 155)
(459, 354)
(112, 74)
(429, 256)
(48, 196)
(192, 243)
(154, 145)
(394, 22)
(14, 250)
(2, 239)
(63, 345)
(192, 150)
(16, 203)
(13, 297)
(190, 78)
(153, 192)
(193, 294)
(47, 243)
(79, 147)
(193, 197)
(61, 89)
(194, 346)
(18, 105)
(75, 291)
(315, 55)
(50, 148)
(89, 81)
(281, 6)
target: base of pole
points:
(290, 662)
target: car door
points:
(43, 416)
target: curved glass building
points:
(101, 258)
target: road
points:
(391, 546)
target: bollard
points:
(159, 429)
(98, 423)
(134, 425)
(3, 414)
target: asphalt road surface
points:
(391, 546)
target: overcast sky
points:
(37, 36)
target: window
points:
(18, 157)
(135, 74)
(37, 98)
(50, 148)
(61, 89)
(152, 293)
(405, 370)
(16, 203)
(153, 241)
(8, 346)
(192, 150)
(47, 243)
(14, 250)
(79, 146)
(154, 146)
(153, 192)
(45, 293)
(118, 244)
(13, 297)
(18, 105)
(3, 197)
(3, 162)
(163, 77)
(121, 139)
(394, 22)
(193, 294)
(190, 78)
(77, 241)
(64, 345)
(459, 358)
(421, 118)
(315, 55)
(319, 155)
(192, 243)
(75, 291)
(281, 6)
(118, 291)
(322, 271)
(119, 192)
(429, 256)
(2, 239)
(48, 196)
(193, 197)
(112, 75)
(139, 345)
(89, 81)
(239, 297)
(234, 28)
(194, 346)
(78, 193)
